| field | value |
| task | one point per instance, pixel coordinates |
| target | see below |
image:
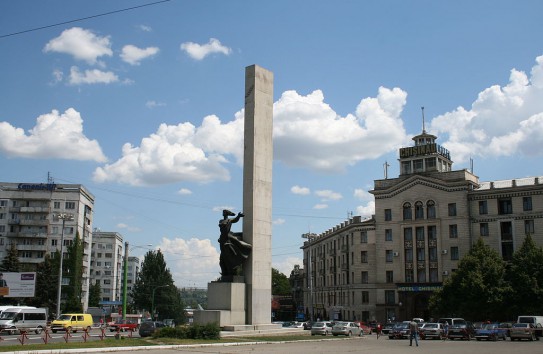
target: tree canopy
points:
(154, 289)
(280, 283)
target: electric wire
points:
(81, 19)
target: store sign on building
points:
(416, 288)
(37, 187)
(425, 149)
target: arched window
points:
(431, 209)
(407, 213)
(419, 210)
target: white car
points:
(322, 328)
(346, 329)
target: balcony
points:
(31, 248)
(332, 252)
(33, 222)
(34, 210)
(345, 248)
(344, 266)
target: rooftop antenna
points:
(386, 166)
(50, 179)
(423, 126)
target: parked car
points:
(507, 326)
(124, 325)
(522, 331)
(461, 331)
(491, 331)
(387, 328)
(399, 331)
(297, 324)
(366, 329)
(432, 330)
(147, 328)
(346, 329)
(308, 325)
(321, 328)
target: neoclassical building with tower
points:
(426, 220)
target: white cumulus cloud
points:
(55, 135)
(327, 195)
(134, 55)
(300, 190)
(308, 133)
(200, 51)
(192, 262)
(178, 153)
(80, 43)
(502, 121)
(94, 76)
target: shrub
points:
(195, 331)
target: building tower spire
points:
(423, 125)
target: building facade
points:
(38, 217)
(426, 220)
(107, 264)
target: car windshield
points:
(8, 315)
(318, 324)
(430, 325)
(341, 324)
(490, 326)
(64, 317)
(520, 325)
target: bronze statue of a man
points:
(233, 249)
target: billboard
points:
(17, 284)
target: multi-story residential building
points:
(133, 268)
(108, 252)
(36, 217)
(107, 264)
(425, 221)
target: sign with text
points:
(17, 284)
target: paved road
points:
(367, 344)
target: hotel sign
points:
(417, 288)
(425, 149)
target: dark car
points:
(147, 328)
(464, 331)
(308, 324)
(387, 328)
(399, 331)
(491, 331)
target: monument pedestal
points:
(225, 305)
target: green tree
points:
(46, 284)
(94, 294)
(477, 290)
(525, 275)
(11, 263)
(280, 283)
(73, 270)
(154, 289)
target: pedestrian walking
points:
(413, 333)
(378, 329)
(445, 330)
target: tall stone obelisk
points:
(257, 192)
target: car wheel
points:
(38, 330)
(349, 334)
(54, 330)
(335, 335)
(532, 338)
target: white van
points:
(17, 319)
(4, 308)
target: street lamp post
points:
(153, 299)
(63, 217)
(125, 274)
(310, 237)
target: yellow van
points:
(72, 322)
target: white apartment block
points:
(29, 218)
(107, 264)
(426, 220)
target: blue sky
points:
(145, 107)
